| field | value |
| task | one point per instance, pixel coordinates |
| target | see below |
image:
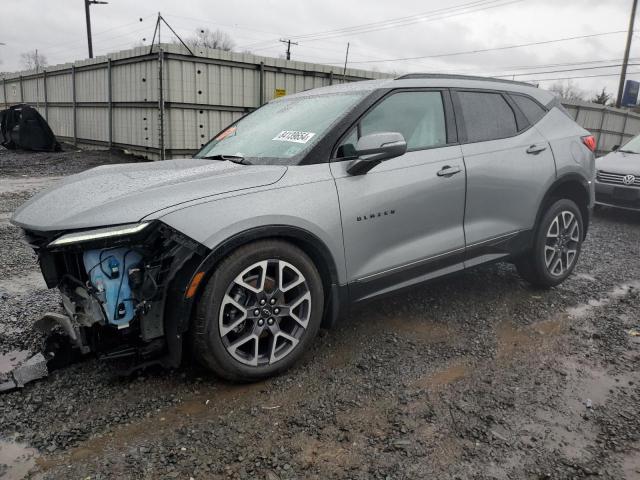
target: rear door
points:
(402, 221)
(509, 168)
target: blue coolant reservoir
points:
(108, 272)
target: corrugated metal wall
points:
(611, 126)
(115, 101)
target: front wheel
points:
(259, 311)
(557, 245)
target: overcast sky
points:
(429, 28)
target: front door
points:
(403, 220)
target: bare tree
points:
(567, 90)
(205, 38)
(603, 98)
(33, 60)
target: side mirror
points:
(376, 148)
(615, 147)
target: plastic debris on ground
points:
(32, 369)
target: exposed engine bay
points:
(123, 294)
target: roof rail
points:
(460, 77)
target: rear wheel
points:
(557, 245)
(259, 311)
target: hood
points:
(125, 193)
(620, 162)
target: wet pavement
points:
(16, 459)
(475, 376)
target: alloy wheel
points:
(265, 312)
(562, 243)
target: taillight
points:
(590, 142)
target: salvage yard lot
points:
(474, 376)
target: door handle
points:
(448, 171)
(535, 149)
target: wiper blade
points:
(230, 158)
(626, 151)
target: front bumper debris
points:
(32, 369)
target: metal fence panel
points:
(610, 126)
(192, 128)
(33, 90)
(120, 100)
(93, 123)
(136, 127)
(136, 82)
(91, 85)
(632, 127)
(13, 92)
(61, 120)
(59, 88)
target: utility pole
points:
(87, 4)
(625, 62)
(289, 43)
(37, 80)
(346, 58)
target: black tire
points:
(208, 343)
(532, 266)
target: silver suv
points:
(307, 205)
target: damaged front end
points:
(123, 289)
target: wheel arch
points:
(309, 243)
(572, 186)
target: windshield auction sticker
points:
(227, 133)
(293, 136)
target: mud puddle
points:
(16, 459)
(619, 291)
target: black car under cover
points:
(21, 126)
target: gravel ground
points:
(476, 376)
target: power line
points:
(431, 15)
(578, 77)
(506, 47)
(201, 22)
(58, 51)
(499, 69)
(562, 71)
(551, 65)
(401, 21)
(101, 32)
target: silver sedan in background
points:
(618, 177)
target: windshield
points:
(632, 146)
(280, 130)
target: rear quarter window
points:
(487, 116)
(531, 109)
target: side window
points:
(530, 108)
(347, 148)
(418, 116)
(487, 116)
